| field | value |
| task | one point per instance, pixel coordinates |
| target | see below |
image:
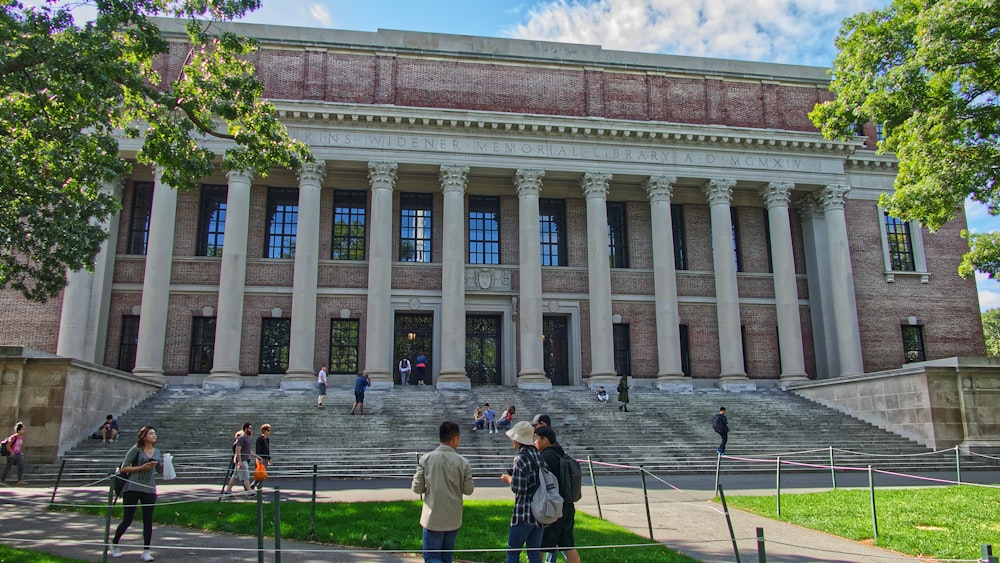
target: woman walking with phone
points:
(141, 462)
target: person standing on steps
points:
(15, 445)
(421, 369)
(360, 384)
(623, 393)
(140, 463)
(321, 386)
(720, 424)
(443, 476)
(404, 370)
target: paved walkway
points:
(684, 519)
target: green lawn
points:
(12, 555)
(944, 523)
(395, 526)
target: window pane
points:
(623, 349)
(211, 220)
(282, 222)
(129, 342)
(685, 351)
(349, 216)
(677, 222)
(484, 230)
(913, 344)
(202, 344)
(734, 217)
(142, 208)
(274, 341)
(344, 335)
(617, 234)
(552, 225)
(900, 244)
(415, 227)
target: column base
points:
(150, 374)
(793, 377)
(298, 379)
(608, 380)
(674, 383)
(380, 380)
(736, 382)
(453, 379)
(223, 379)
(533, 380)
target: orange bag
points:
(260, 473)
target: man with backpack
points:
(559, 534)
(524, 480)
(720, 425)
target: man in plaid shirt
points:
(523, 480)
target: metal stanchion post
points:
(987, 551)
(761, 553)
(58, 478)
(593, 481)
(718, 467)
(277, 525)
(260, 526)
(833, 470)
(645, 498)
(871, 492)
(777, 485)
(312, 513)
(107, 516)
(729, 522)
(958, 466)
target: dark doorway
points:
(555, 348)
(482, 349)
(413, 335)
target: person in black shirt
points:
(720, 424)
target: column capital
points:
(660, 188)
(382, 175)
(454, 178)
(528, 181)
(239, 176)
(158, 172)
(832, 196)
(595, 184)
(808, 208)
(777, 194)
(719, 191)
(312, 174)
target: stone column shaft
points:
(156, 282)
(719, 192)
(668, 339)
(302, 345)
(74, 318)
(378, 336)
(602, 351)
(452, 375)
(104, 270)
(232, 284)
(532, 375)
(845, 308)
(786, 294)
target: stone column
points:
(156, 282)
(818, 280)
(232, 282)
(602, 350)
(532, 375)
(302, 345)
(454, 179)
(719, 191)
(845, 308)
(76, 326)
(104, 273)
(378, 336)
(670, 375)
(786, 294)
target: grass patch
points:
(11, 555)
(941, 523)
(396, 526)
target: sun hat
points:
(522, 433)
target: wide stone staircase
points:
(663, 432)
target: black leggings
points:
(129, 502)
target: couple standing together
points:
(405, 368)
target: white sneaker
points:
(115, 552)
(147, 556)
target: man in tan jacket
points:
(443, 476)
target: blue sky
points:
(784, 31)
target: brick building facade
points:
(523, 213)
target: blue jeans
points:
(438, 546)
(527, 535)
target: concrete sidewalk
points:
(684, 519)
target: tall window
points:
(617, 234)
(129, 342)
(913, 343)
(274, 339)
(685, 351)
(767, 241)
(349, 224)
(142, 209)
(897, 234)
(879, 132)
(484, 230)
(552, 225)
(211, 220)
(282, 222)
(344, 334)
(623, 349)
(734, 218)
(677, 222)
(202, 344)
(415, 227)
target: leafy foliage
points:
(991, 329)
(929, 71)
(69, 92)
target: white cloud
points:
(789, 31)
(988, 300)
(321, 14)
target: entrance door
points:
(482, 349)
(413, 335)
(555, 348)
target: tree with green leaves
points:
(929, 72)
(69, 91)
(991, 329)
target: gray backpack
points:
(546, 504)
